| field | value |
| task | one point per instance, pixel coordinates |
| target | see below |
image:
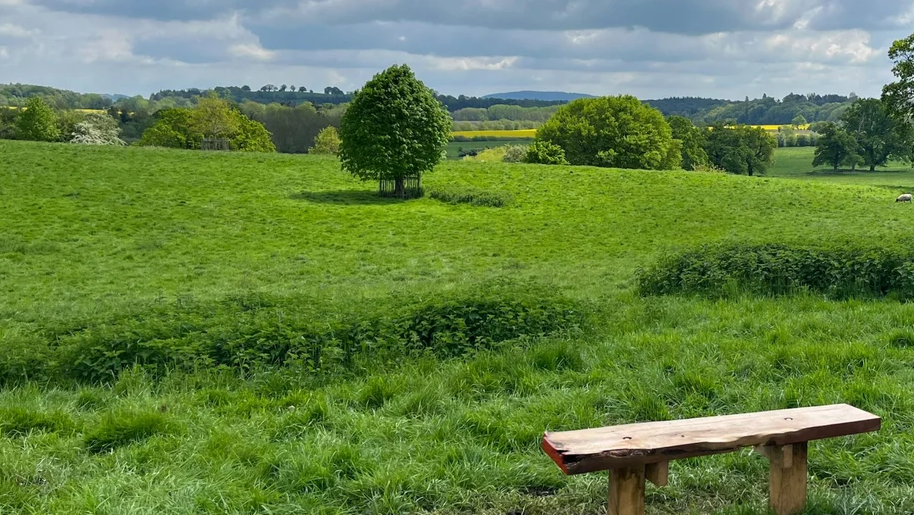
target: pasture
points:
(796, 163)
(111, 256)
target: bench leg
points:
(787, 478)
(626, 491)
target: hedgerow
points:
(836, 270)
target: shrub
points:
(97, 129)
(617, 132)
(545, 153)
(38, 122)
(255, 331)
(515, 154)
(326, 142)
(837, 271)
(470, 195)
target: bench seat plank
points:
(607, 448)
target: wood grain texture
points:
(626, 491)
(788, 481)
(658, 473)
(592, 450)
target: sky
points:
(648, 48)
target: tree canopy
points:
(694, 139)
(97, 129)
(38, 122)
(741, 149)
(879, 136)
(394, 128)
(836, 146)
(618, 132)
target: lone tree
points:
(38, 122)
(393, 131)
(836, 147)
(616, 132)
(879, 136)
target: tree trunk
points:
(872, 168)
(401, 193)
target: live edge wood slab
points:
(635, 452)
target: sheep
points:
(907, 197)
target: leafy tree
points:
(38, 122)
(899, 95)
(173, 129)
(545, 153)
(302, 89)
(326, 142)
(836, 146)
(693, 141)
(283, 88)
(515, 154)
(214, 118)
(394, 128)
(251, 136)
(332, 90)
(618, 132)
(97, 129)
(246, 88)
(799, 121)
(67, 120)
(740, 149)
(8, 123)
(878, 135)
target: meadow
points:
(796, 163)
(150, 256)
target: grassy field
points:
(454, 147)
(796, 163)
(109, 249)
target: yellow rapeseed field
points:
(519, 134)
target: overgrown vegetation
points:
(838, 270)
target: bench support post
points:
(787, 478)
(626, 491)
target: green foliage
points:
(836, 147)
(618, 132)
(694, 140)
(326, 142)
(172, 129)
(186, 128)
(122, 428)
(740, 150)
(213, 117)
(878, 135)
(898, 96)
(19, 421)
(799, 120)
(252, 136)
(839, 271)
(545, 153)
(515, 154)
(37, 122)
(97, 129)
(394, 128)
(469, 195)
(67, 122)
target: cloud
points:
(650, 48)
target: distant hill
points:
(548, 96)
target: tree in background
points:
(214, 118)
(67, 120)
(252, 136)
(693, 140)
(836, 146)
(899, 95)
(879, 136)
(97, 129)
(173, 128)
(326, 142)
(545, 153)
(799, 121)
(393, 129)
(740, 149)
(618, 132)
(38, 122)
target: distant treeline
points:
(293, 96)
(761, 111)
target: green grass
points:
(149, 246)
(796, 163)
(453, 148)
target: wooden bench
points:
(635, 452)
